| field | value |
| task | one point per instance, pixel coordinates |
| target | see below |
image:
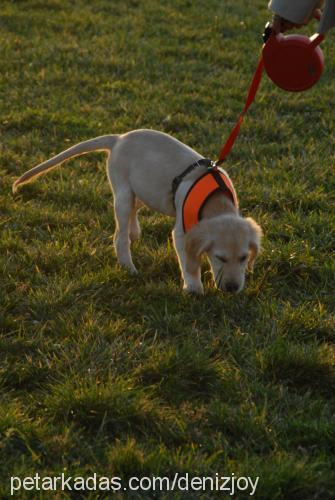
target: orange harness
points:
(215, 179)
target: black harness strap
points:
(222, 186)
(203, 162)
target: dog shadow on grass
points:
(198, 345)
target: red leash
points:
(251, 96)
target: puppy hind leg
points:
(124, 203)
(135, 229)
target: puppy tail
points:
(102, 143)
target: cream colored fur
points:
(140, 167)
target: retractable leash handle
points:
(293, 62)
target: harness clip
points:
(211, 165)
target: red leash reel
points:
(293, 62)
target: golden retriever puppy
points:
(141, 167)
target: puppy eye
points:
(223, 259)
(243, 258)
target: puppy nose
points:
(231, 287)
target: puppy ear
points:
(256, 234)
(197, 242)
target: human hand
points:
(279, 24)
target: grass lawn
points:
(123, 376)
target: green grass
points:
(104, 372)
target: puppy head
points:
(231, 244)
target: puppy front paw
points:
(130, 268)
(193, 288)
